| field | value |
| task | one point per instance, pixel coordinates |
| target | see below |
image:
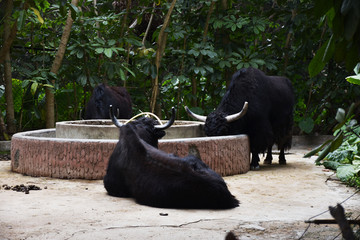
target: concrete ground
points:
(275, 202)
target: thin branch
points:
(149, 24)
(161, 47)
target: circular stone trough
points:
(44, 153)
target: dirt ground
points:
(275, 202)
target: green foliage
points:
(356, 78)
(306, 124)
(342, 154)
(28, 104)
(343, 20)
(276, 37)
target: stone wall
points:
(38, 156)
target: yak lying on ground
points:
(102, 97)
(269, 117)
(154, 178)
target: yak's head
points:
(147, 129)
(218, 123)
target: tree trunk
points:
(9, 40)
(10, 117)
(124, 22)
(49, 92)
(159, 52)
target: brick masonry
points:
(35, 155)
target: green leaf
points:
(340, 115)
(2, 90)
(24, 83)
(37, 13)
(331, 164)
(354, 79)
(74, 11)
(306, 125)
(356, 163)
(317, 64)
(131, 72)
(357, 69)
(317, 149)
(209, 68)
(99, 50)
(218, 24)
(350, 111)
(194, 52)
(258, 61)
(240, 65)
(108, 52)
(345, 172)
(112, 42)
(34, 87)
(233, 27)
(21, 20)
(338, 140)
(323, 154)
(212, 54)
(122, 75)
(329, 50)
(48, 85)
(82, 80)
(203, 52)
(80, 53)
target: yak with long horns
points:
(269, 116)
(139, 170)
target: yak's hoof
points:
(266, 161)
(282, 162)
(254, 168)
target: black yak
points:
(102, 97)
(269, 117)
(139, 170)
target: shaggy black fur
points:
(269, 118)
(103, 96)
(114, 181)
(154, 178)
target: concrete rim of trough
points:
(105, 129)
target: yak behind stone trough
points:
(103, 96)
(137, 169)
(269, 117)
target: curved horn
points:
(113, 118)
(169, 123)
(236, 116)
(194, 115)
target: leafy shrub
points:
(342, 154)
